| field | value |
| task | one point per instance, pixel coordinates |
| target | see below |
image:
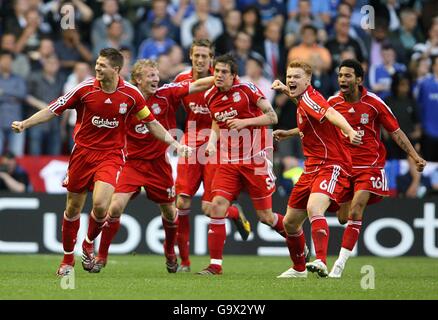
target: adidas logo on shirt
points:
(351, 110)
(108, 101)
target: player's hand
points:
(210, 150)
(420, 164)
(280, 135)
(237, 124)
(277, 85)
(185, 151)
(17, 126)
(355, 137)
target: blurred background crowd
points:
(395, 40)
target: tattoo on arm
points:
(403, 142)
(270, 112)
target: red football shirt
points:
(239, 102)
(101, 120)
(198, 115)
(163, 104)
(366, 116)
(322, 141)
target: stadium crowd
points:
(396, 42)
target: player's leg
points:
(216, 235)
(189, 177)
(102, 194)
(70, 227)
(183, 205)
(351, 233)
(170, 224)
(293, 225)
(119, 201)
(317, 205)
(343, 212)
(234, 213)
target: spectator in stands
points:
(16, 23)
(271, 10)
(430, 47)
(45, 86)
(81, 72)
(165, 69)
(45, 50)
(300, 14)
(200, 31)
(342, 41)
(176, 57)
(428, 101)
(243, 45)
(319, 10)
(309, 49)
(273, 50)
(13, 178)
(158, 44)
(381, 75)
(100, 25)
(12, 95)
(409, 33)
(252, 25)
(202, 13)
(158, 13)
(82, 16)
(29, 39)
(232, 21)
(404, 107)
(254, 74)
(20, 65)
(70, 49)
(114, 38)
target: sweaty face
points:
(104, 70)
(347, 80)
(223, 78)
(297, 80)
(148, 80)
(201, 59)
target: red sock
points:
(94, 226)
(320, 236)
(351, 234)
(295, 243)
(232, 213)
(216, 237)
(170, 230)
(109, 230)
(183, 235)
(278, 225)
(70, 229)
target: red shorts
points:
(331, 181)
(86, 166)
(155, 175)
(190, 174)
(368, 179)
(258, 179)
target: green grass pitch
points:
(245, 277)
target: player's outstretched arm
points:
(162, 134)
(403, 142)
(269, 117)
(41, 116)
(280, 135)
(339, 121)
(212, 140)
(202, 84)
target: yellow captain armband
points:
(143, 113)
